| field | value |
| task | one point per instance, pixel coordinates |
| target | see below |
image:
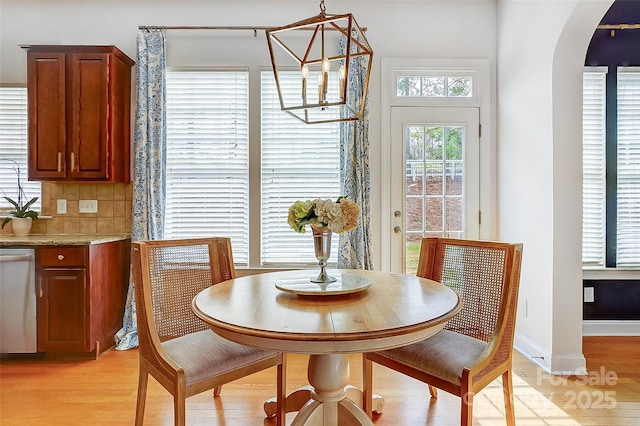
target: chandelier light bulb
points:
(326, 67)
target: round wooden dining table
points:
(364, 311)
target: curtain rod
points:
(619, 27)
(215, 27)
(183, 27)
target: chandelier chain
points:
(323, 9)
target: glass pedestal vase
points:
(322, 245)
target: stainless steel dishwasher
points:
(18, 328)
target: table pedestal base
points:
(329, 400)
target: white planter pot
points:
(21, 226)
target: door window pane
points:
(434, 86)
(434, 183)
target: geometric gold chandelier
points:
(317, 80)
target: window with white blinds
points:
(593, 172)
(299, 162)
(208, 151)
(628, 188)
(622, 204)
(14, 146)
(207, 157)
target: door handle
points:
(15, 258)
(397, 229)
(59, 161)
(40, 293)
(73, 161)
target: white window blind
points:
(299, 162)
(207, 157)
(14, 146)
(593, 163)
(628, 189)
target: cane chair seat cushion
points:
(444, 355)
(195, 353)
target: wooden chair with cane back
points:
(176, 347)
(476, 345)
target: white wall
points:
(541, 51)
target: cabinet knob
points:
(61, 257)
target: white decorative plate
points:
(300, 283)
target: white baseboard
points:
(572, 364)
(610, 328)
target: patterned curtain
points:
(355, 246)
(149, 159)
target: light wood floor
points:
(103, 392)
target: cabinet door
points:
(62, 310)
(89, 99)
(46, 89)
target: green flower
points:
(301, 214)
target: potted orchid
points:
(20, 212)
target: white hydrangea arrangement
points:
(338, 216)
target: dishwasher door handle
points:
(16, 258)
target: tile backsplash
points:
(113, 216)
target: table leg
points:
(328, 375)
(298, 398)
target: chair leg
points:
(216, 391)
(281, 387)
(433, 391)
(143, 378)
(466, 414)
(367, 385)
(507, 389)
(179, 411)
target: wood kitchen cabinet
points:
(81, 296)
(79, 102)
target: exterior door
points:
(435, 175)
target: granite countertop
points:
(59, 239)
